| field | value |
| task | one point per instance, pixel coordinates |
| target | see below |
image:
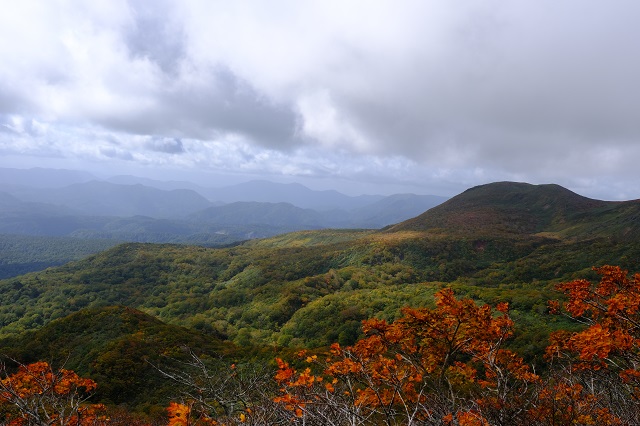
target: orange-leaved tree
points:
(603, 359)
(610, 310)
(181, 415)
(431, 366)
(36, 394)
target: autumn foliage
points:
(610, 309)
(446, 366)
(603, 359)
(38, 395)
(449, 366)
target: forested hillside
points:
(312, 288)
(503, 242)
(20, 254)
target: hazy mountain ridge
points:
(251, 203)
(66, 203)
(39, 177)
(254, 213)
(395, 208)
(292, 193)
(264, 191)
(97, 198)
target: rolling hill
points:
(20, 254)
(120, 348)
(496, 242)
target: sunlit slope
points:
(311, 238)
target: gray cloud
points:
(156, 34)
(471, 91)
(6, 125)
(166, 145)
(536, 84)
(231, 105)
(114, 153)
(223, 105)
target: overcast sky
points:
(425, 96)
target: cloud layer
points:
(427, 92)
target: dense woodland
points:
(443, 319)
(20, 254)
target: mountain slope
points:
(525, 209)
(314, 287)
(20, 254)
(116, 346)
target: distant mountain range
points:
(50, 202)
(43, 178)
(264, 191)
(95, 198)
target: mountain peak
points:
(503, 207)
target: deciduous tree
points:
(603, 359)
(36, 394)
(431, 366)
(215, 392)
